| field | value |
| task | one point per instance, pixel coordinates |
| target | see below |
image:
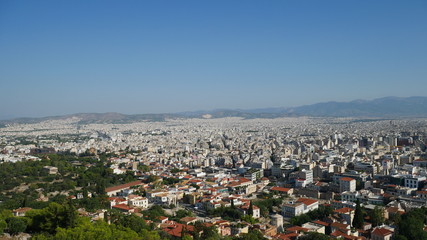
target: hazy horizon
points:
(201, 110)
(135, 57)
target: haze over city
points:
(213, 120)
(62, 57)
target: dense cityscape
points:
(215, 178)
(213, 120)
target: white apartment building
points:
(347, 184)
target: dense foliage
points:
(266, 205)
(62, 222)
(358, 216)
(321, 212)
(227, 213)
(412, 224)
(23, 183)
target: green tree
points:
(133, 222)
(301, 219)
(86, 230)
(52, 217)
(154, 213)
(3, 226)
(400, 237)
(16, 225)
(186, 237)
(251, 209)
(358, 216)
(252, 235)
(314, 236)
(3, 216)
(377, 216)
(144, 168)
(412, 224)
(182, 213)
(249, 219)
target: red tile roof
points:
(122, 207)
(347, 179)
(344, 210)
(280, 189)
(177, 229)
(382, 232)
(307, 201)
(23, 210)
(297, 229)
(123, 186)
(321, 223)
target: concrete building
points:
(347, 184)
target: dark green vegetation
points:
(62, 222)
(411, 225)
(227, 213)
(319, 213)
(358, 216)
(266, 205)
(22, 183)
(314, 236)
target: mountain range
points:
(388, 107)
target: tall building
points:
(347, 184)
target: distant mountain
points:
(388, 107)
(381, 107)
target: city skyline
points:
(149, 57)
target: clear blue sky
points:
(60, 57)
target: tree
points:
(186, 237)
(133, 222)
(301, 219)
(377, 216)
(3, 226)
(16, 225)
(144, 168)
(249, 219)
(252, 235)
(251, 209)
(314, 236)
(358, 216)
(182, 213)
(3, 216)
(154, 213)
(400, 237)
(210, 233)
(50, 218)
(98, 230)
(412, 224)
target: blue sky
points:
(60, 57)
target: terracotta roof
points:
(123, 186)
(122, 207)
(347, 179)
(321, 223)
(340, 225)
(307, 201)
(338, 233)
(297, 229)
(187, 219)
(177, 229)
(23, 210)
(382, 232)
(280, 189)
(344, 210)
(116, 199)
(288, 236)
